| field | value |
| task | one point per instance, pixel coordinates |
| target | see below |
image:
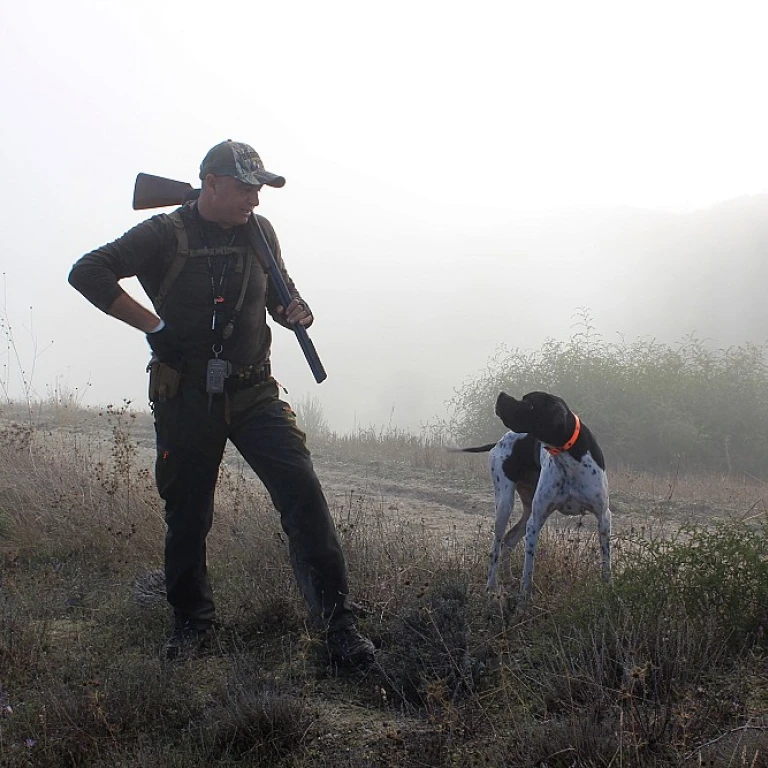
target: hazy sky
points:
(414, 136)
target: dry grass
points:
(666, 668)
(431, 449)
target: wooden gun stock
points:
(157, 191)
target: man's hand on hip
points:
(165, 343)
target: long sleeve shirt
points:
(203, 296)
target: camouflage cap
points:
(233, 158)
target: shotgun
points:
(157, 191)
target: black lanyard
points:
(217, 295)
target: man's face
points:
(231, 201)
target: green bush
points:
(657, 656)
(718, 576)
(651, 405)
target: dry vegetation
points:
(667, 667)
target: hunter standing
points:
(211, 292)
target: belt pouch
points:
(163, 382)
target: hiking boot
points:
(349, 647)
(189, 638)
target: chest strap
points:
(183, 252)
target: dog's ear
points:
(528, 400)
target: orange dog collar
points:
(574, 437)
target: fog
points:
(459, 177)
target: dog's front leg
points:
(532, 531)
(542, 507)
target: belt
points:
(249, 376)
(241, 377)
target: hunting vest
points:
(214, 305)
(244, 264)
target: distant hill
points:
(667, 275)
(640, 272)
(716, 278)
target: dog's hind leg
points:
(505, 502)
(525, 490)
(504, 497)
(514, 534)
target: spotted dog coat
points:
(554, 463)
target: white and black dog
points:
(554, 463)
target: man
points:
(208, 333)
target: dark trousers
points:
(190, 446)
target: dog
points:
(553, 461)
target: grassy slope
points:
(668, 667)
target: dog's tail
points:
(478, 449)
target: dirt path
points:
(442, 507)
(450, 503)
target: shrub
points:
(311, 419)
(649, 404)
(431, 665)
(717, 575)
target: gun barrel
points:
(307, 347)
(157, 191)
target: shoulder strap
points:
(230, 326)
(182, 254)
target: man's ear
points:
(210, 182)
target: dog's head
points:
(545, 416)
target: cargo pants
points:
(190, 447)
